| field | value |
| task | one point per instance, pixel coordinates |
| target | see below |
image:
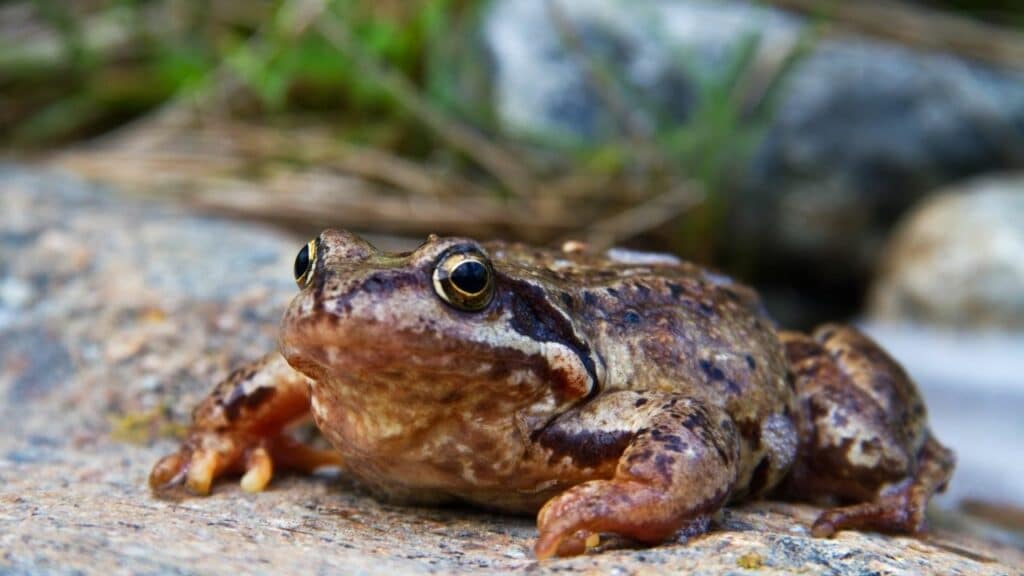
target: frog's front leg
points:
(675, 463)
(238, 429)
(864, 438)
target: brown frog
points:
(614, 392)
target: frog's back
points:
(655, 322)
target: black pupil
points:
(470, 277)
(302, 262)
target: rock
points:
(958, 259)
(861, 130)
(659, 49)
(119, 325)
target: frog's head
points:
(444, 323)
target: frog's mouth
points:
(417, 366)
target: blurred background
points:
(856, 161)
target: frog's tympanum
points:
(615, 392)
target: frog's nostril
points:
(345, 245)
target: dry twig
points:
(919, 27)
(655, 212)
(509, 170)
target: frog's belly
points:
(439, 480)
(429, 456)
(410, 490)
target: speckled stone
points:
(957, 260)
(117, 315)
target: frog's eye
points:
(305, 264)
(465, 280)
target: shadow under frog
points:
(613, 392)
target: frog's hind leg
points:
(863, 433)
(671, 461)
(239, 427)
(900, 508)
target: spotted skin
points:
(863, 435)
(606, 392)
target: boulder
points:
(957, 260)
(116, 316)
(860, 131)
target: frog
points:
(609, 392)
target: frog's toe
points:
(169, 472)
(201, 471)
(189, 471)
(556, 542)
(571, 522)
(284, 453)
(563, 525)
(259, 469)
(559, 544)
